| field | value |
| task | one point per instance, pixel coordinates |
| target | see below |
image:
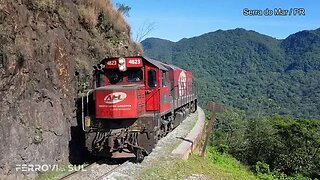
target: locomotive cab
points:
(119, 89)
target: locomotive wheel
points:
(194, 106)
(155, 136)
(170, 127)
(139, 155)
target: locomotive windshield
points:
(114, 76)
(135, 75)
(132, 75)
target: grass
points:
(53, 174)
(44, 5)
(228, 165)
(213, 166)
(88, 16)
(64, 12)
(90, 10)
(59, 172)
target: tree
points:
(284, 144)
(124, 9)
(144, 30)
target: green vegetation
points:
(277, 146)
(252, 72)
(53, 174)
(50, 175)
(214, 166)
(59, 171)
(124, 9)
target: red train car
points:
(134, 102)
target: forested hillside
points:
(250, 71)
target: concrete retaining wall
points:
(192, 141)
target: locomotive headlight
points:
(122, 64)
(122, 68)
(122, 61)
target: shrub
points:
(280, 143)
(262, 168)
(101, 14)
(43, 5)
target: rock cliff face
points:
(43, 44)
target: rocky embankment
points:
(47, 49)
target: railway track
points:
(96, 171)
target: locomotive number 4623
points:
(134, 61)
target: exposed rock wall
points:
(43, 44)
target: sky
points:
(177, 19)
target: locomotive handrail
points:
(89, 91)
(82, 108)
(82, 113)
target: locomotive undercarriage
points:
(123, 138)
(135, 139)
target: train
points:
(134, 102)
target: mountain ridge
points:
(245, 69)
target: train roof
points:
(172, 66)
(158, 64)
(161, 65)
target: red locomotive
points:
(135, 101)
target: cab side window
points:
(152, 78)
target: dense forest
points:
(250, 71)
(274, 147)
(271, 91)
